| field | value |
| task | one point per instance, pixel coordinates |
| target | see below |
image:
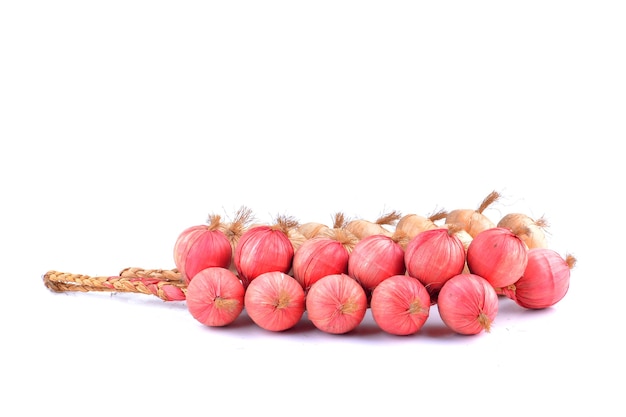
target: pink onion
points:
(468, 304)
(400, 305)
(200, 247)
(498, 255)
(263, 249)
(545, 280)
(326, 254)
(375, 258)
(336, 304)
(215, 296)
(274, 301)
(434, 256)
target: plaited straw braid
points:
(165, 290)
(161, 274)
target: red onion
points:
(434, 256)
(263, 249)
(326, 254)
(468, 304)
(215, 296)
(274, 301)
(400, 305)
(545, 280)
(200, 247)
(498, 255)
(375, 258)
(336, 304)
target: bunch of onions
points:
(473, 220)
(498, 255)
(433, 257)
(363, 228)
(274, 301)
(336, 304)
(413, 224)
(545, 280)
(468, 304)
(265, 248)
(375, 258)
(202, 246)
(534, 231)
(215, 297)
(400, 305)
(326, 254)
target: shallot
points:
(375, 258)
(265, 248)
(200, 247)
(545, 281)
(215, 296)
(433, 257)
(274, 301)
(413, 224)
(362, 228)
(468, 304)
(336, 304)
(400, 305)
(498, 255)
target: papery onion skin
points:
(262, 249)
(468, 304)
(400, 305)
(498, 255)
(433, 257)
(215, 297)
(374, 259)
(413, 224)
(275, 301)
(474, 221)
(531, 231)
(545, 281)
(318, 257)
(200, 247)
(336, 304)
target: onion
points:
(215, 296)
(336, 304)
(531, 231)
(498, 255)
(400, 305)
(326, 254)
(413, 224)
(545, 280)
(433, 257)
(364, 228)
(474, 221)
(468, 304)
(375, 258)
(274, 301)
(200, 247)
(264, 248)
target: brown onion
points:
(498, 255)
(363, 228)
(413, 224)
(474, 221)
(532, 232)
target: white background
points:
(124, 122)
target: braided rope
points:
(164, 289)
(161, 274)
